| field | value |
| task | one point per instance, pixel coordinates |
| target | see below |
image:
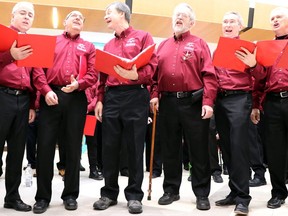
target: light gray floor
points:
(90, 192)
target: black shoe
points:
(225, 171)
(217, 178)
(40, 206)
(18, 205)
(70, 204)
(229, 200)
(155, 175)
(202, 203)
(134, 206)
(103, 203)
(189, 178)
(186, 166)
(275, 202)
(256, 182)
(168, 198)
(96, 175)
(124, 172)
(241, 209)
(82, 168)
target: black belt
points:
(12, 91)
(125, 87)
(181, 94)
(283, 94)
(55, 87)
(224, 93)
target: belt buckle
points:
(284, 94)
(17, 92)
(179, 94)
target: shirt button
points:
(173, 84)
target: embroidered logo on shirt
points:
(81, 47)
(188, 51)
(131, 42)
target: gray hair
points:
(191, 11)
(281, 9)
(239, 17)
(22, 4)
(121, 7)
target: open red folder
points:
(43, 47)
(267, 52)
(224, 55)
(106, 61)
(90, 125)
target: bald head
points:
(22, 16)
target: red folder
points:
(90, 125)
(268, 51)
(82, 66)
(106, 61)
(224, 55)
(7, 37)
(43, 47)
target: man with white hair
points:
(63, 107)
(275, 86)
(124, 107)
(184, 70)
(17, 104)
(232, 115)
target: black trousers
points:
(94, 147)
(178, 117)
(31, 142)
(213, 149)
(14, 112)
(66, 119)
(276, 127)
(256, 152)
(232, 115)
(125, 117)
(157, 162)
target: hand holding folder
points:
(105, 61)
(267, 53)
(43, 47)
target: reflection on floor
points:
(90, 192)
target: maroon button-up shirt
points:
(184, 64)
(229, 79)
(66, 62)
(271, 79)
(16, 77)
(129, 44)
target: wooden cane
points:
(152, 153)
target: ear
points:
(64, 22)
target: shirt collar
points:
(16, 29)
(282, 37)
(182, 36)
(124, 33)
(67, 35)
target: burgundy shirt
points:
(129, 44)
(91, 97)
(66, 62)
(184, 64)
(271, 79)
(229, 79)
(16, 77)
